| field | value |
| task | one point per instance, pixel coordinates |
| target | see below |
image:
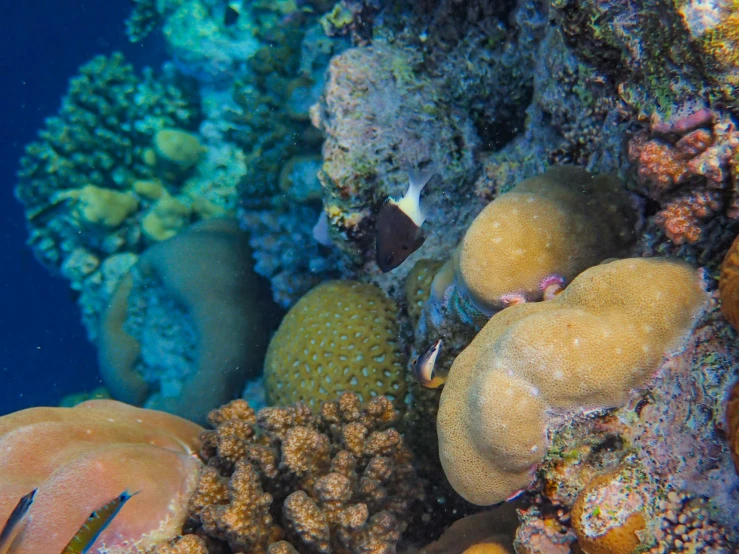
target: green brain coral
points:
(341, 336)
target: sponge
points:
(605, 335)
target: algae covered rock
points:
(341, 336)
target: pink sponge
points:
(82, 457)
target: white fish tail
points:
(411, 202)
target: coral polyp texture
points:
(287, 480)
(541, 235)
(77, 181)
(80, 458)
(586, 349)
(341, 336)
(197, 290)
(729, 285)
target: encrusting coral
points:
(82, 457)
(533, 240)
(341, 336)
(286, 480)
(604, 525)
(586, 349)
(196, 289)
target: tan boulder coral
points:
(540, 235)
(82, 457)
(341, 336)
(586, 349)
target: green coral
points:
(76, 181)
(143, 20)
(341, 336)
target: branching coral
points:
(81, 457)
(341, 336)
(143, 20)
(188, 324)
(76, 182)
(338, 481)
(585, 349)
(687, 165)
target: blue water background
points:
(44, 352)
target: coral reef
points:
(729, 285)
(418, 286)
(286, 480)
(286, 251)
(531, 359)
(341, 336)
(81, 457)
(732, 424)
(77, 181)
(188, 324)
(686, 166)
(398, 121)
(532, 241)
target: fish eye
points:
(404, 246)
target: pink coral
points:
(687, 165)
(82, 457)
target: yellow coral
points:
(341, 336)
(722, 41)
(418, 285)
(165, 219)
(549, 227)
(99, 206)
(607, 518)
(606, 334)
(176, 149)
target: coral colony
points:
(549, 365)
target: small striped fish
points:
(14, 524)
(96, 524)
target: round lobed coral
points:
(586, 349)
(286, 480)
(82, 457)
(188, 324)
(418, 286)
(341, 336)
(541, 234)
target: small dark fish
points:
(424, 368)
(15, 521)
(399, 225)
(231, 16)
(96, 524)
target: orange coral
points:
(729, 285)
(287, 480)
(686, 165)
(81, 457)
(605, 521)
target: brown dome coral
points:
(285, 480)
(81, 457)
(587, 348)
(341, 336)
(544, 232)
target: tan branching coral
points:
(286, 480)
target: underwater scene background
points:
(370, 276)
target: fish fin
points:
(14, 524)
(420, 177)
(411, 202)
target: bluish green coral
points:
(77, 181)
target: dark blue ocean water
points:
(44, 352)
